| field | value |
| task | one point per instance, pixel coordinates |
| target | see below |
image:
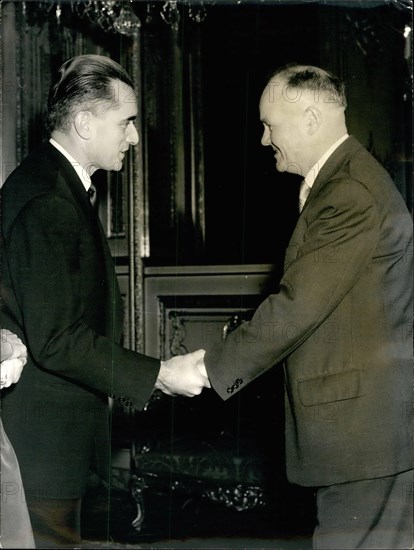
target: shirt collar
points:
(316, 168)
(83, 175)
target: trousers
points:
(55, 522)
(373, 513)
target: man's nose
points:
(133, 137)
(265, 137)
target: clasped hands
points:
(13, 358)
(183, 375)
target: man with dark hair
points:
(87, 81)
(60, 296)
(341, 320)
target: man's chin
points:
(288, 167)
(116, 167)
(280, 165)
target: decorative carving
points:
(137, 489)
(212, 476)
(179, 333)
(235, 320)
(240, 497)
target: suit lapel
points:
(70, 180)
(333, 165)
(115, 311)
(339, 157)
(114, 307)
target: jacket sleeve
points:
(322, 264)
(44, 255)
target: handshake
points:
(183, 375)
(180, 375)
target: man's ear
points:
(83, 124)
(313, 119)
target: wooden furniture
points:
(203, 447)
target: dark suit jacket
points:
(60, 295)
(342, 321)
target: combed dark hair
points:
(326, 86)
(85, 82)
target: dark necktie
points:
(92, 194)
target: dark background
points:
(250, 209)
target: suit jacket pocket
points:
(333, 387)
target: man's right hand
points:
(181, 375)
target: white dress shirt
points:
(83, 175)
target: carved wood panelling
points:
(187, 306)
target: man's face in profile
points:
(114, 130)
